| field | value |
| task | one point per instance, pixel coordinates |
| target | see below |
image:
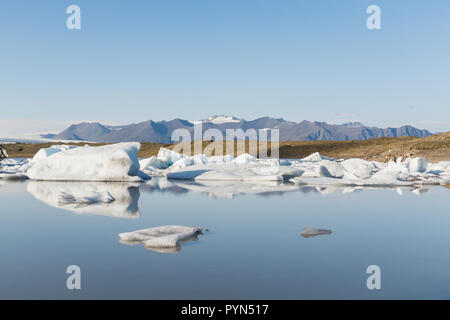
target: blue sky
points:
(138, 60)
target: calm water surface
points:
(253, 249)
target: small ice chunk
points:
(182, 163)
(311, 232)
(169, 156)
(285, 163)
(152, 162)
(315, 157)
(162, 237)
(417, 165)
(244, 158)
(360, 168)
(330, 169)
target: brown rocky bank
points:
(435, 148)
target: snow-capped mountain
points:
(353, 124)
(217, 119)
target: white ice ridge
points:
(313, 170)
(162, 237)
(224, 168)
(115, 162)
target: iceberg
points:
(115, 162)
(171, 236)
(417, 165)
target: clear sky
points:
(296, 59)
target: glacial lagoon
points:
(251, 245)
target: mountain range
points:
(161, 131)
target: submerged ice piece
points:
(116, 162)
(311, 232)
(162, 237)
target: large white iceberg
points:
(116, 162)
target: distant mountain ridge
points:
(161, 131)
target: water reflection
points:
(219, 189)
(111, 199)
(117, 199)
(230, 189)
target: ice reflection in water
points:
(120, 200)
(230, 189)
(112, 199)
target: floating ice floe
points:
(116, 162)
(162, 237)
(312, 232)
(113, 199)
